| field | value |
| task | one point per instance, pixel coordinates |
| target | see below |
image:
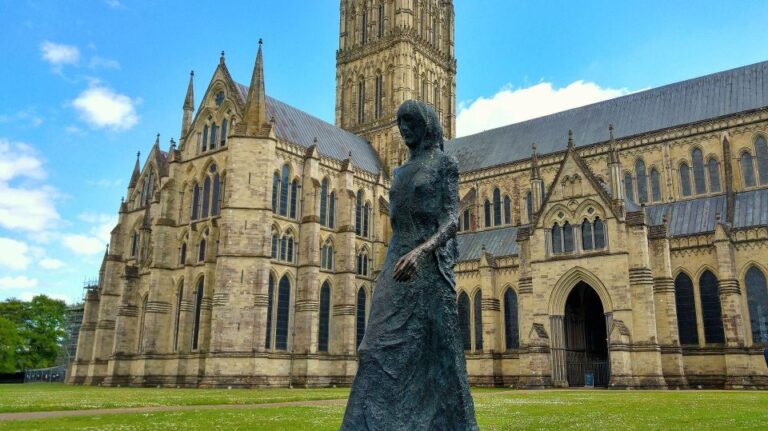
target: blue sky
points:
(86, 84)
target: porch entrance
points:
(586, 338)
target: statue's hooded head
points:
(419, 125)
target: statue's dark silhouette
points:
(412, 371)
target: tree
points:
(10, 343)
(41, 327)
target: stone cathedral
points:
(623, 243)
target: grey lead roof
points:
(498, 242)
(300, 128)
(691, 101)
(700, 215)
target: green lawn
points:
(496, 409)
(45, 397)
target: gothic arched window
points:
(464, 322)
(747, 169)
(628, 189)
(275, 244)
(599, 232)
(198, 310)
(655, 185)
(326, 256)
(478, 308)
(270, 306)
(366, 218)
(507, 210)
(686, 310)
(275, 191)
(511, 328)
(381, 20)
(216, 196)
(567, 238)
(283, 313)
(324, 202)
(362, 263)
(698, 172)
(685, 179)
(487, 208)
(466, 219)
(360, 316)
(642, 181)
(713, 169)
(359, 213)
(206, 196)
(496, 207)
(757, 300)
(195, 202)
(586, 235)
(557, 239)
(332, 210)
(378, 111)
(201, 251)
(134, 244)
(183, 253)
(529, 206)
(711, 313)
(284, 185)
(224, 132)
(205, 138)
(324, 327)
(761, 152)
(214, 130)
(294, 198)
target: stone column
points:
(666, 308)
(344, 305)
(646, 366)
(737, 366)
(125, 329)
(308, 293)
(490, 306)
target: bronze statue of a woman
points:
(412, 371)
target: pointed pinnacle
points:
(157, 140)
(221, 59)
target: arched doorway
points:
(586, 338)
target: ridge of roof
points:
(697, 99)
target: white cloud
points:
(103, 108)
(20, 282)
(13, 254)
(52, 264)
(25, 203)
(105, 63)
(83, 244)
(24, 118)
(59, 54)
(513, 105)
(97, 236)
(115, 4)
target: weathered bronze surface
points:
(412, 371)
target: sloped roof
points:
(498, 242)
(300, 128)
(697, 216)
(691, 101)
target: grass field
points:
(497, 409)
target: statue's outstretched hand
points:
(407, 265)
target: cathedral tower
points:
(391, 51)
